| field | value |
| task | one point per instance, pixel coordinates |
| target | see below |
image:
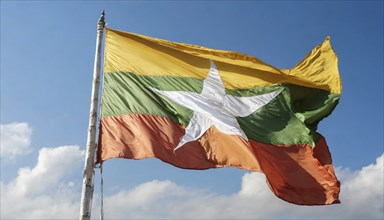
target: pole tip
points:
(102, 16)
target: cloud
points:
(362, 191)
(46, 192)
(52, 165)
(42, 191)
(15, 139)
(361, 196)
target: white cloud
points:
(42, 191)
(361, 196)
(52, 165)
(15, 139)
(45, 192)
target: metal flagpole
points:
(89, 173)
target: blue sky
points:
(47, 52)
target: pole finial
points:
(102, 16)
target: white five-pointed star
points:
(214, 107)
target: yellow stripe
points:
(127, 52)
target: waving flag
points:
(199, 108)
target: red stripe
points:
(295, 173)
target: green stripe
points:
(291, 118)
(125, 93)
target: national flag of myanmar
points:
(199, 108)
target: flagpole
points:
(89, 173)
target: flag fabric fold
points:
(199, 108)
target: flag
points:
(199, 108)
